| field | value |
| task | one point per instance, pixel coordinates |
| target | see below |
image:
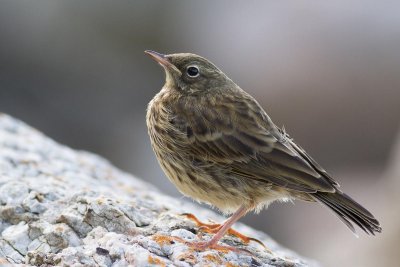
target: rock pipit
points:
(217, 145)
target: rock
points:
(73, 208)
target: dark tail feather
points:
(349, 211)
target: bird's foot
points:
(214, 228)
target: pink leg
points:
(228, 224)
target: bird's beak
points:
(160, 58)
(163, 60)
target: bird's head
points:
(190, 73)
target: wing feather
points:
(250, 146)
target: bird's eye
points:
(193, 71)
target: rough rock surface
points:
(72, 208)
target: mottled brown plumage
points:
(218, 145)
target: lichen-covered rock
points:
(72, 208)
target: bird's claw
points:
(214, 228)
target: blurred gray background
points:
(328, 71)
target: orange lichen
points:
(155, 261)
(188, 257)
(213, 258)
(166, 240)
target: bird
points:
(218, 146)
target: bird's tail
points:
(349, 211)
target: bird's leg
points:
(227, 225)
(215, 228)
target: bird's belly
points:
(219, 190)
(196, 183)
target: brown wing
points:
(245, 141)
